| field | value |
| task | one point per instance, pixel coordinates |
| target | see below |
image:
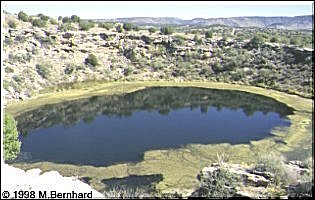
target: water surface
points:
(104, 130)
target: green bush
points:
(208, 34)
(39, 23)
(66, 27)
(128, 26)
(167, 30)
(91, 60)
(219, 183)
(273, 162)
(66, 20)
(85, 26)
(75, 18)
(152, 30)
(11, 143)
(256, 41)
(274, 39)
(198, 40)
(43, 17)
(106, 25)
(23, 16)
(43, 70)
(119, 28)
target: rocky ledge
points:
(50, 184)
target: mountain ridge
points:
(283, 22)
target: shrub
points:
(128, 71)
(146, 39)
(23, 16)
(128, 26)
(91, 60)
(66, 20)
(60, 18)
(11, 143)
(198, 40)
(273, 162)
(274, 39)
(53, 21)
(106, 25)
(167, 30)
(219, 183)
(85, 26)
(39, 23)
(44, 17)
(136, 28)
(152, 30)
(208, 34)
(43, 70)
(12, 24)
(66, 27)
(256, 41)
(119, 29)
(8, 41)
(130, 53)
(75, 18)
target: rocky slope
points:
(40, 58)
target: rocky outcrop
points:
(14, 179)
(254, 183)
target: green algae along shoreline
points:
(179, 167)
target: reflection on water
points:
(104, 130)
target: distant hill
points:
(291, 23)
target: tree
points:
(75, 18)
(256, 41)
(167, 30)
(152, 30)
(208, 34)
(92, 60)
(128, 26)
(11, 143)
(23, 16)
(274, 39)
(198, 40)
(39, 23)
(43, 17)
(66, 20)
(119, 29)
(59, 18)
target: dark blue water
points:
(104, 139)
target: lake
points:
(105, 130)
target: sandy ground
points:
(14, 179)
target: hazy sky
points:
(184, 10)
